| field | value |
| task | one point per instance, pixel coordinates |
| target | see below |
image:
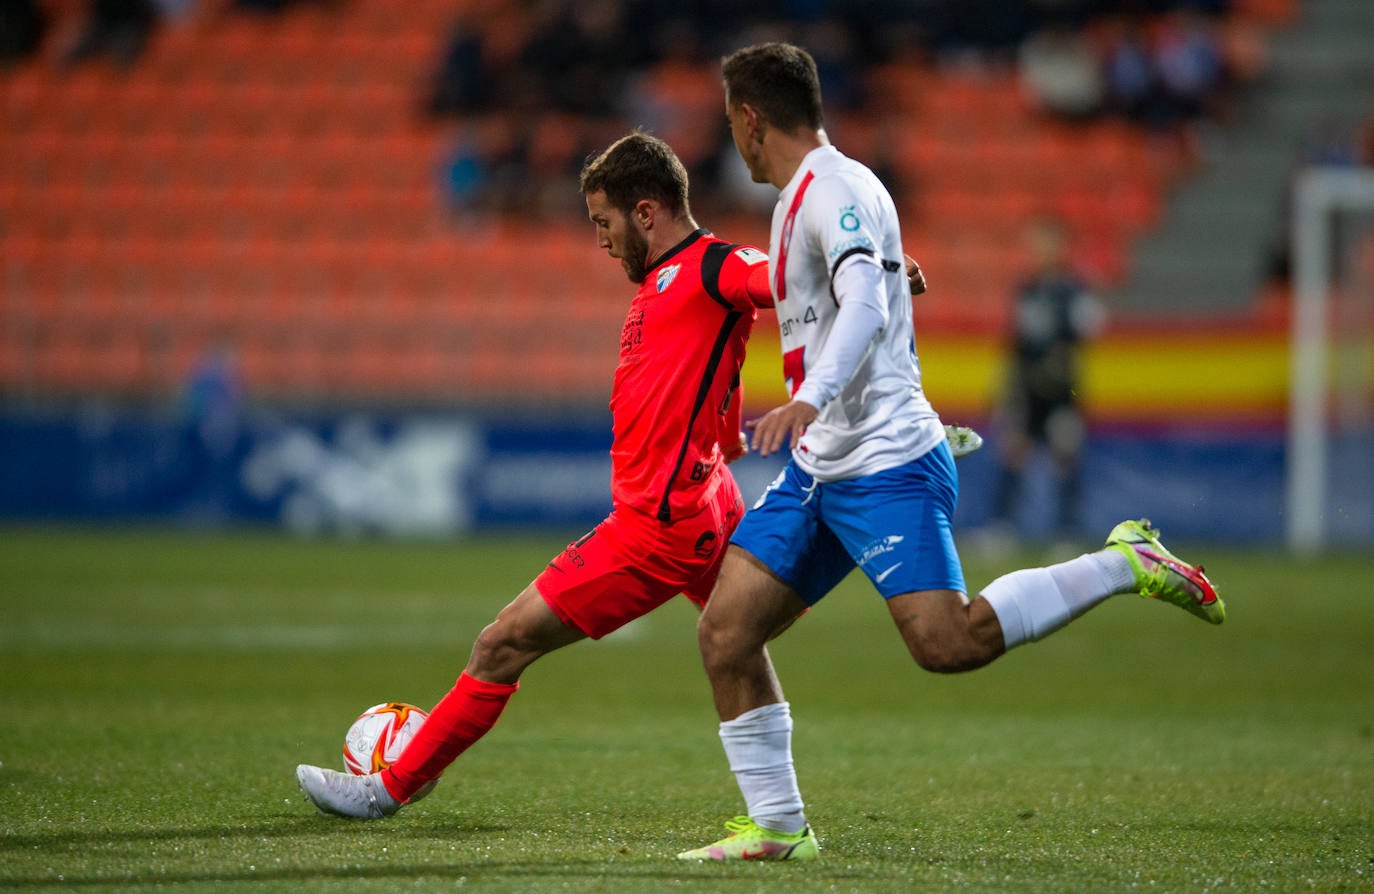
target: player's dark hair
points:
(779, 80)
(638, 166)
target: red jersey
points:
(673, 403)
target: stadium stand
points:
(277, 184)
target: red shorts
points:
(631, 563)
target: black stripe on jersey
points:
(712, 261)
(834, 268)
(856, 250)
(703, 391)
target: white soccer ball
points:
(379, 735)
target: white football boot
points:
(343, 794)
(962, 440)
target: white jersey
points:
(835, 212)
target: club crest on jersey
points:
(750, 256)
(666, 276)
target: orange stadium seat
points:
(270, 178)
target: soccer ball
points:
(379, 735)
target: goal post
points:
(1332, 338)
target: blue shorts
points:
(894, 524)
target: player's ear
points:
(754, 120)
(643, 213)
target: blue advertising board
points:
(448, 474)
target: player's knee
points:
(943, 656)
(721, 644)
(940, 663)
(711, 639)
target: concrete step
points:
(1210, 251)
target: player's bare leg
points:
(523, 631)
(747, 608)
(944, 632)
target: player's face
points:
(616, 233)
(745, 145)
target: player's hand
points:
(772, 429)
(914, 276)
(732, 453)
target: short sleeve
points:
(744, 278)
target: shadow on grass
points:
(281, 828)
(665, 869)
(709, 875)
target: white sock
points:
(1033, 603)
(1116, 570)
(758, 745)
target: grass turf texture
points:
(159, 690)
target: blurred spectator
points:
(556, 71)
(215, 420)
(117, 29)
(992, 28)
(1133, 88)
(581, 54)
(22, 24)
(1060, 70)
(213, 401)
(1054, 314)
(461, 84)
(832, 44)
(1190, 66)
(464, 174)
(1331, 144)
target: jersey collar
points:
(667, 255)
(810, 162)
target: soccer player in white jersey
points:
(871, 482)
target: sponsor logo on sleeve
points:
(750, 256)
(844, 245)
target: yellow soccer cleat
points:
(1159, 574)
(750, 841)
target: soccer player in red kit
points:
(675, 419)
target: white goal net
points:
(1330, 457)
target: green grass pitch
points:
(159, 689)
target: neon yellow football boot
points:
(750, 841)
(1159, 574)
